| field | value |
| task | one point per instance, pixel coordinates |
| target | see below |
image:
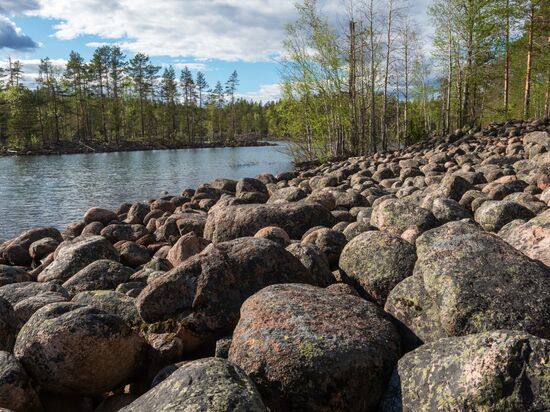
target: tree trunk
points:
(527, 93)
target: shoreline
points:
(78, 148)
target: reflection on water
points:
(57, 190)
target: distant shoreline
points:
(89, 148)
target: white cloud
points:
(248, 30)
(30, 68)
(193, 66)
(266, 93)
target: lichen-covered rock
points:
(449, 210)
(377, 262)
(309, 349)
(8, 325)
(493, 215)
(43, 247)
(397, 215)
(76, 256)
(78, 350)
(233, 222)
(96, 214)
(316, 262)
(275, 234)
(16, 391)
(329, 242)
(16, 292)
(493, 371)
(133, 255)
(469, 281)
(25, 308)
(112, 302)
(532, 237)
(204, 385)
(206, 291)
(13, 274)
(287, 194)
(102, 274)
(187, 245)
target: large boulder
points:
(206, 292)
(8, 325)
(532, 237)
(13, 274)
(204, 385)
(16, 391)
(78, 350)
(377, 262)
(97, 214)
(187, 245)
(309, 349)
(315, 261)
(102, 274)
(469, 281)
(397, 215)
(491, 371)
(330, 242)
(233, 222)
(112, 302)
(76, 256)
(493, 214)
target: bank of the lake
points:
(66, 147)
(57, 190)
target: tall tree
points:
(189, 97)
(230, 90)
(169, 95)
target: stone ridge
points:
(413, 280)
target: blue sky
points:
(215, 36)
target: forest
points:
(369, 81)
(376, 80)
(115, 101)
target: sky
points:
(214, 36)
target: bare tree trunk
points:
(507, 62)
(352, 86)
(373, 80)
(527, 94)
(384, 125)
(447, 128)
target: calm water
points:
(57, 190)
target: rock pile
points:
(415, 280)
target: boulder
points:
(112, 302)
(315, 261)
(25, 308)
(309, 349)
(532, 237)
(97, 214)
(134, 255)
(8, 325)
(43, 247)
(397, 215)
(377, 262)
(469, 281)
(204, 385)
(329, 242)
(16, 391)
(233, 222)
(188, 245)
(75, 256)
(13, 274)
(448, 210)
(492, 215)
(492, 371)
(275, 234)
(16, 292)
(206, 292)
(102, 274)
(78, 350)
(287, 194)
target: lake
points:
(57, 190)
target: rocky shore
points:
(416, 280)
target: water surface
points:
(57, 190)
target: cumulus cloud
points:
(266, 93)
(30, 69)
(13, 7)
(11, 36)
(247, 30)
